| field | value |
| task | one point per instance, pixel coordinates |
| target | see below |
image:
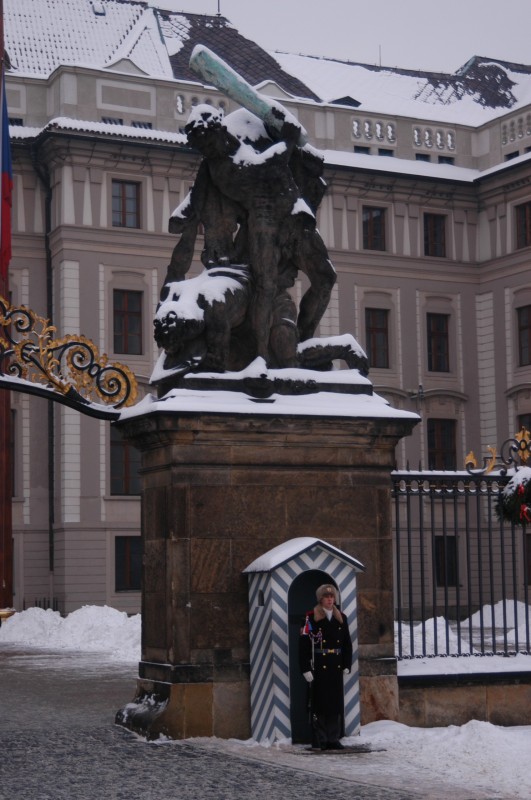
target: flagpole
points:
(6, 492)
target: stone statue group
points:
(254, 199)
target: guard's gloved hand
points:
(346, 671)
(308, 676)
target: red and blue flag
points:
(7, 189)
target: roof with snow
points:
(40, 37)
(244, 56)
(80, 126)
(479, 91)
(114, 34)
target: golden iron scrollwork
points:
(523, 437)
(514, 452)
(69, 367)
(489, 462)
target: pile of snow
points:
(477, 755)
(512, 616)
(424, 637)
(508, 612)
(91, 628)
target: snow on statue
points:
(256, 194)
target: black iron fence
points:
(462, 574)
(42, 602)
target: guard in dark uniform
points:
(325, 654)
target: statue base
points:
(221, 489)
(185, 710)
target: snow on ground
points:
(479, 756)
(514, 616)
(476, 757)
(91, 629)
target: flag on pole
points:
(307, 627)
(7, 189)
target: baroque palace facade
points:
(427, 220)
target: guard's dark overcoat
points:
(327, 687)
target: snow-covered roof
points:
(424, 169)
(41, 36)
(19, 132)
(477, 93)
(332, 158)
(294, 547)
(249, 60)
(109, 34)
(402, 166)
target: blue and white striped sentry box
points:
(270, 577)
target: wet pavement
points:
(58, 741)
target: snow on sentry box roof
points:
(287, 550)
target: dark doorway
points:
(301, 599)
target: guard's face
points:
(328, 600)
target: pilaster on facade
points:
(87, 200)
(70, 465)
(26, 451)
(329, 325)
(67, 209)
(486, 370)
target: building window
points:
(523, 225)
(125, 466)
(435, 235)
(386, 151)
(373, 228)
(125, 204)
(359, 148)
(422, 157)
(438, 350)
(524, 335)
(446, 160)
(445, 560)
(524, 421)
(112, 120)
(128, 563)
(441, 444)
(138, 124)
(127, 321)
(377, 337)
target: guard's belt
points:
(329, 652)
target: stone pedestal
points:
(218, 491)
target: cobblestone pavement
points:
(58, 741)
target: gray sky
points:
(433, 35)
